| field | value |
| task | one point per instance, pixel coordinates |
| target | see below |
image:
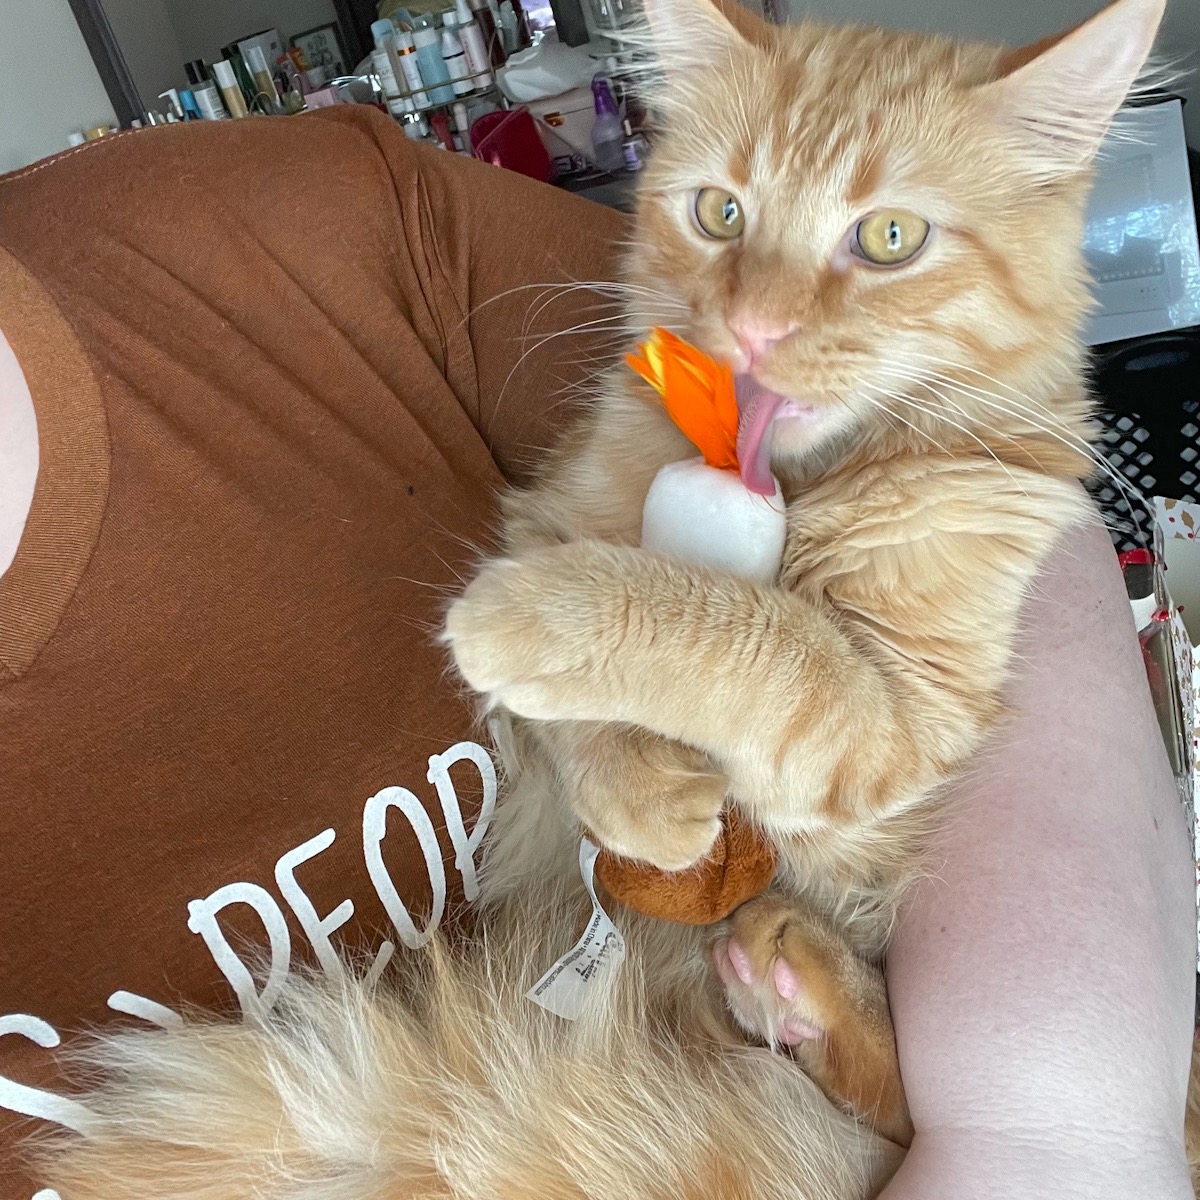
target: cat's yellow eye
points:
(719, 213)
(890, 237)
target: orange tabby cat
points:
(881, 231)
(885, 242)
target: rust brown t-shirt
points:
(277, 371)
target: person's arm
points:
(1042, 980)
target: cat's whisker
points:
(942, 417)
(1035, 415)
(921, 433)
(946, 402)
(1056, 429)
(621, 334)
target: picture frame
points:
(323, 47)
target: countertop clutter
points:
(488, 78)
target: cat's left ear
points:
(691, 35)
(1059, 96)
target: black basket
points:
(1149, 396)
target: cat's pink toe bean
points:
(787, 983)
(741, 962)
(721, 960)
(792, 1031)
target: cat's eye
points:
(719, 213)
(890, 237)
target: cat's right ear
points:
(1058, 97)
(684, 36)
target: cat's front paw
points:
(526, 633)
(671, 821)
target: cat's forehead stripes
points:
(868, 171)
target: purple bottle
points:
(607, 132)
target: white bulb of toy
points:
(708, 516)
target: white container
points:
(456, 59)
(268, 41)
(208, 101)
(406, 54)
(474, 47)
(381, 61)
(227, 82)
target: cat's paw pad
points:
(740, 975)
(775, 975)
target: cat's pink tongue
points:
(757, 407)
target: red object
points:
(440, 124)
(511, 140)
(1130, 558)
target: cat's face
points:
(876, 229)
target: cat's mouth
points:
(759, 409)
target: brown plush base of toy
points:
(741, 865)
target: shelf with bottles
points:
(407, 103)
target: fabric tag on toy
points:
(591, 963)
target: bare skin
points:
(1042, 986)
(18, 453)
(1041, 983)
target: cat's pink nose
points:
(756, 336)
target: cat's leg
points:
(792, 979)
(639, 794)
(766, 683)
(784, 689)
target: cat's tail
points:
(444, 1081)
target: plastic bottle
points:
(440, 124)
(227, 82)
(381, 62)
(607, 133)
(191, 109)
(433, 66)
(208, 99)
(492, 37)
(474, 47)
(455, 58)
(406, 56)
(633, 148)
(460, 123)
(417, 130)
(508, 27)
(524, 32)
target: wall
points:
(48, 84)
(150, 44)
(1018, 22)
(204, 26)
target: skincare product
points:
(474, 47)
(634, 149)
(433, 66)
(607, 134)
(455, 59)
(406, 55)
(381, 61)
(265, 96)
(490, 31)
(227, 82)
(208, 99)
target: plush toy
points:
(702, 511)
